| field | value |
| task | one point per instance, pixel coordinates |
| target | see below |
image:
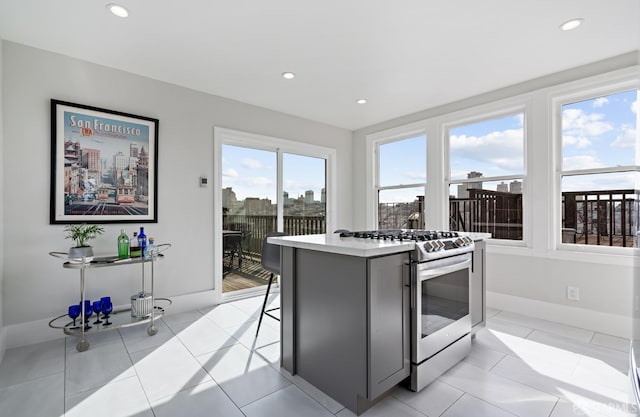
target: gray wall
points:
(533, 279)
(2, 245)
(35, 285)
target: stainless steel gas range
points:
(440, 299)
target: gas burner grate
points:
(400, 234)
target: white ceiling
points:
(403, 56)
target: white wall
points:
(35, 284)
(533, 279)
(2, 246)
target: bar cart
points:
(123, 317)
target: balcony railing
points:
(256, 227)
(607, 217)
(486, 211)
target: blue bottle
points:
(142, 240)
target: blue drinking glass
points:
(74, 313)
(97, 306)
(88, 311)
(107, 308)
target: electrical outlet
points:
(573, 293)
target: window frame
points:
(378, 188)
(374, 141)
(581, 91)
(495, 110)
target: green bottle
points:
(123, 245)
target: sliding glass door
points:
(263, 189)
(304, 196)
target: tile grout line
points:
(554, 408)
(202, 366)
(133, 366)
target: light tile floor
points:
(209, 363)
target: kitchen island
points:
(345, 311)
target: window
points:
(486, 164)
(599, 169)
(402, 176)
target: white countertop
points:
(333, 243)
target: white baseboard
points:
(611, 324)
(38, 331)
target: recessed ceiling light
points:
(361, 101)
(117, 10)
(571, 24)
(288, 75)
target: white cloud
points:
(576, 122)
(503, 149)
(578, 142)
(571, 163)
(252, 163)
(520, 118)
(599, 102)
(230, 173)
(635, 106)
(626, 139)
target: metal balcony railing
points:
(609, 217)
(256, 227)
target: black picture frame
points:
(104, 166)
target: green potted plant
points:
(82, 234)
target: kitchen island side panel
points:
(330, 323)
(287, 308)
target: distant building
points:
(228, 199)
(253, 205)
(308, 197)
(502, 187)
(323, 196)
(515, 187)
(463, 189)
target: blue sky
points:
(252, 173)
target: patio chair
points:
(271, 263)
(232, 246)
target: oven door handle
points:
(426, 274)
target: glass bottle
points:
(151, 250)
(136, 252)
(123, 245)
(142, 240)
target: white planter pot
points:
(84, 254)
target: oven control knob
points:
(428, 246)
(439, 245)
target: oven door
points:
(440, 304)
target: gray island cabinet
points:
(345, 310)
(345, 315)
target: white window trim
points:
(581, 90)
(372, 171)
(502, 108)
(224, 136)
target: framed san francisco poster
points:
(104, 165)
